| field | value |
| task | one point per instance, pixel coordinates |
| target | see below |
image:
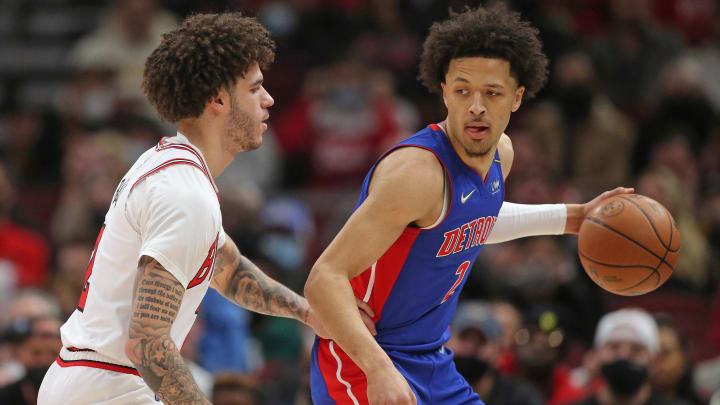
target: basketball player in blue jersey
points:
(426, 208)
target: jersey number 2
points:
(461, 274)
(88, 272)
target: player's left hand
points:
(366, 313)
(576, 213)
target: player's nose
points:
(478, 106)
(268, 101)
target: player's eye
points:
(493, 93)
(462, 91)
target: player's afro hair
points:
(493, 32)
(206, 53)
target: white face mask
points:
(280, 18)
(284, 249)
(98, 105)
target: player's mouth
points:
(477, 130)
(264, 124)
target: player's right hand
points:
(389, 387)
(367, 314)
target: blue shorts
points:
(337, 380)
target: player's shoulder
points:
(182, 181)
(413, 172)
(505, 146)
(170, 180)
(176, 165)
(411, 161)
(506, 153)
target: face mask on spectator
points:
(624, 377)
(35, 376)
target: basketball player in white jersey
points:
(162, 244)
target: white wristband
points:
(522, 220)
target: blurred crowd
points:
(633, 100)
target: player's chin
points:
(254, 143)
(478, 149)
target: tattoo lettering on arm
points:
(157, 296)
(240, 281)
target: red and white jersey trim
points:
(74, 357)
(166, 144)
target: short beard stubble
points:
(241, 130)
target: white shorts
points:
(80, 385)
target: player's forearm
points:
(333, 302)
(575, 217)
(522, 220)
(160, 364)
(240, 281)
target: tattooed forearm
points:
(239, 280)
(156, 301)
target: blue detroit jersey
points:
(414, 287)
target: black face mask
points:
(539, 372)
(35, 376)
(575, 102)
(624, 377)
(472, 368)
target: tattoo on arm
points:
(157, 296)
(239, 280)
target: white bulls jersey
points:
(166, 207)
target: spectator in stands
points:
(346, 116)
(24, 254)
(126, 35)
(511, 321)
(476, 343)
(662, 185)
(632, 54)
(30, 303)
(672, 371)
(71, 261)
(597, 137)
(540, 347)
(235, 389)
(92, 168)
(708, 55)
(627, 343)
(37, 341)
(25, 304)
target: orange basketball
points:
(629, 244)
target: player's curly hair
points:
(206, 53)
(492, 32)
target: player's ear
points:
(219, 102)
(518, 98)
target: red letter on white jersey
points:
(206, 267)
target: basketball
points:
(629, 244)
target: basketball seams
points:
(604, 225)
(620, 266)
(652, 223)
(655, 271)
(672, 226)
(613, 238)
(667, 250)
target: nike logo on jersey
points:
(464, 197)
